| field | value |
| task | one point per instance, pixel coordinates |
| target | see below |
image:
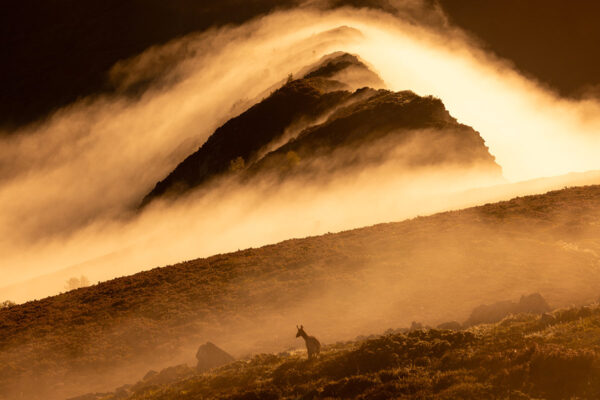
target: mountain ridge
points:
(350, 120)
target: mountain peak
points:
(331, 108)
(323, 88)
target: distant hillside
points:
(430, 269)
(338, 128)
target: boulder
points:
(165, 376)
(210, 356)
(487, 314)
(532, 304)
(149, 375)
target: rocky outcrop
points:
(377, 127)
(485, 314)
(210, 356)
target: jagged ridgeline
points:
(331, 120)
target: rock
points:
(149, 375)
(532, 304)
(122, 392)
(486, 314)
(210, 356)
(451, 326)
(172, 374)
(165, 376)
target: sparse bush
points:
(558, 373)
(76, 283)
(257, 395)
(7, 304)
(348, 387)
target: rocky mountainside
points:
(242, 138)
(318, 118)
(376, 128)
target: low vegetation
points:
(525, 356)
(76, 283)
(7, 304)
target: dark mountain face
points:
(240, 140)
(375, 129)
(343, 128)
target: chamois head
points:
(300, 331)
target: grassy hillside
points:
(554, 356)
(431, 269)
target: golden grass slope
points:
(431, 269)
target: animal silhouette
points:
(312, 344)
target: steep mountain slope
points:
(402, 128)
(319, 92)
(343, 129)
(431, 269)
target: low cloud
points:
(69, 185)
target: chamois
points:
(312, 344)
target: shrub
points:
(348, 387)
(559, 372)
(76, 283)
(7, 304)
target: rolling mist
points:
(70, 185)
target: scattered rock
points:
(532, 304)
(149, 375)
(486, 314)
(122, 392)
(210, 356)
(165, 376)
